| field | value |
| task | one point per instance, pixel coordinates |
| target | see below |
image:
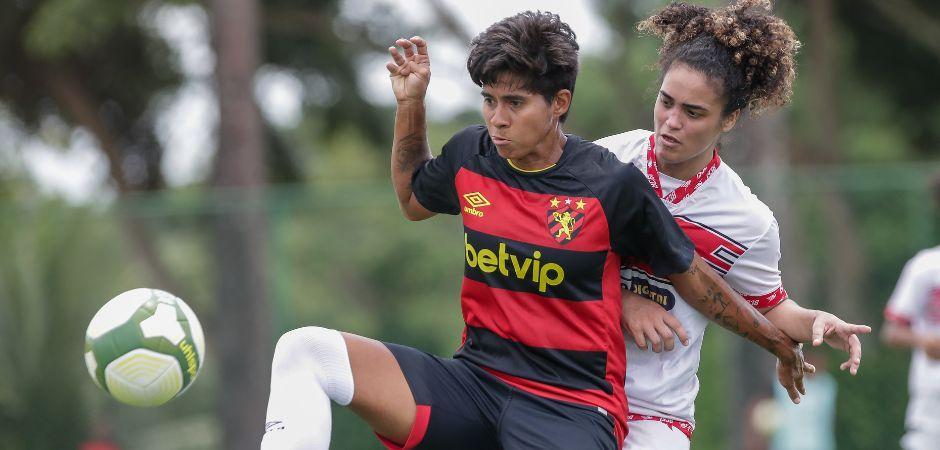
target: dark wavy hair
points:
(747, 50)
(536, 48)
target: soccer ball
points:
(144, 347)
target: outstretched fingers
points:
(808, 368)
(855, 355)
(819, 331)
(407, 46)
(396, 55)
(789, 384)
(791, 374)
(398, 61)
(421, 46)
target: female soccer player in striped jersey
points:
(548, 218)
(714, 64)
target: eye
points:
(693, 113)
(665, 101)
(515, 103)
(487, 101)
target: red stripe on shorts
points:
(418, 430)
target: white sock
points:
(310, 368)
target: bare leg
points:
(382, 397)
(313, 366)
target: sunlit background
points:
(120, 167)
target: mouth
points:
(669, 140)
(499, 140)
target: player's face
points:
(522, 124)
(688, 121)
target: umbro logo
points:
(475, 200)
(273, 425)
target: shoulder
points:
(738, 196)
(601, 171)
(473, 136)
(726, 204)
(926, 259)
(598, 163)
(626, 146)
(470, 141)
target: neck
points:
(687, 169)
(547, 152)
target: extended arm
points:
(810, 325)
(902, 335)
(410, 74)
(705, 291)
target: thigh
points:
(531, 422)
(381, 395)
(457, 403)
(654, 435)
(920, 439)
(922, 423)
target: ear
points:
(561, 102)
(727, 122)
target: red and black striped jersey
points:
(541, 291)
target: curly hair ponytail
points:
(743, 46)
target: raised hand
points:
(840, 335)
(410, 69)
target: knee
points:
(320, 355)
(303, 345)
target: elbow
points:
(414, 214)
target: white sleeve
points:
(907, 301)
(755, 275)
(626, 146)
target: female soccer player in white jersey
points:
(714, 63)
(912, 320)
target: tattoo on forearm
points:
(410, 152)
(732, 318)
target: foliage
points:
(340, 253)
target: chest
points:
(932, 308)
(554, 213)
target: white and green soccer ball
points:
(144, 347)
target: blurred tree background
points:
(236, 153)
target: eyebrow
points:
(687, 105)
(510, 97)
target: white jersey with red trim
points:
(916, 303)
(734, 232)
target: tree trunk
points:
(845, 284)
(243, 332)
(77, 103)
(763, 143)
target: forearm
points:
(409, 149)
(793, 320)
(901, 336)
(705, 291)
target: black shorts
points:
(463, 407)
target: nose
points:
(673, 121)
(499, 117)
